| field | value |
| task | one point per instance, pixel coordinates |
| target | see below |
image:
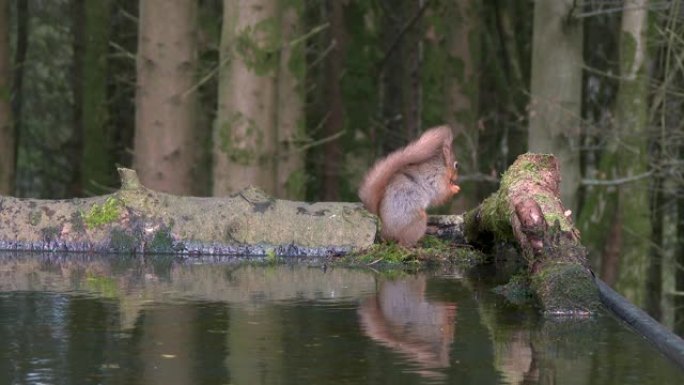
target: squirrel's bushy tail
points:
(374, 183)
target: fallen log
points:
(527, 211)
(139, 220)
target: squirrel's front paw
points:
(454, 188)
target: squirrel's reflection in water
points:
(400, 317)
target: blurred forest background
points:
(299, 97)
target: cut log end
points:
(129, 179)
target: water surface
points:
(117, 320)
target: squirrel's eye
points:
(456, 165)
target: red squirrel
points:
(401, 186)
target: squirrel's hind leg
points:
(409, 234)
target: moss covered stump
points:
(527, 211)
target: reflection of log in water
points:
(399, 317)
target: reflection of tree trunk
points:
(166, 345)
(6, 130)
(400, 318)
(252, 337)
(332, 150)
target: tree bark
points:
(138, 220)
(18, 72)
(334, 121)
(165, 113)
(401, 71)
(97, 159)
(462, 89)
(244, 132)
(556, 90)
(290, 124)
(625, 208)
(7, 136)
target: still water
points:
(118, 320)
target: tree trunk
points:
(401, 71)
(7, 137)
(633, 153)
(244, 132)
(462, 86)
(98, 173)
(654, 277)
(121, 88)
(290, 124)
(18, 73)
(75, 153)
(556, 90)
(165, 113)
(679, 263)
(625, 156)
(335, 119)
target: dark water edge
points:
(81, 319)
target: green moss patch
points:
(102, 214)
(565, 288)
(429, 250)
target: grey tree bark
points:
(165, 103)
(556, 90)
(7, 138)
(244, 132)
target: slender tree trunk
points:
(463, 47)
(679, 263)
(332, 150)
(98, 171)
(165, 99)
(75, 151)
(633, 152)
(7, 137)
(244, 132)
(19, 59)
(625, 156)
(556, 90)
(654, 278)
(121, 88)
(401, 71)
(412, 102)
(290, 124)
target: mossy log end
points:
(139, 220)
(527, 210)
